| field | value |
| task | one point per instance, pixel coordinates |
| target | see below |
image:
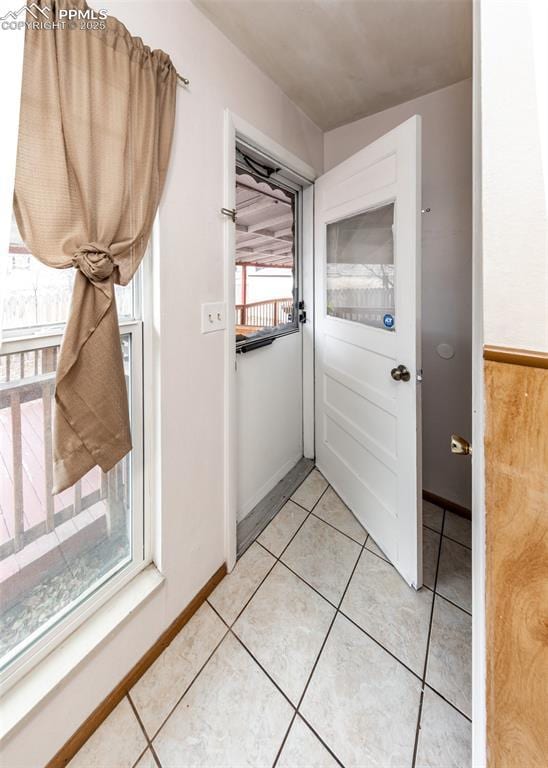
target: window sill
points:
(31, 690)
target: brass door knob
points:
(400, 373)
(460, 446)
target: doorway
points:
(269, 289)
(269, 314)
(403, 538)
(422, 620)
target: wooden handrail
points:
(266, 301)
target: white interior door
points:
(368, 431)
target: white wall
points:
(515, 172)
(446, 267)
(270, 417)
(191, 272)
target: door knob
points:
(460, 446)
(400, 373)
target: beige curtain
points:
(96, 125)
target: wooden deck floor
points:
(34, 476)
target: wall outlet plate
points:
(213, 317)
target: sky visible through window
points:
(37, 295)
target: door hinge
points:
(229, 212)
(302, 312)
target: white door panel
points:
(367, 278)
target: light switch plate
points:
(213, 317)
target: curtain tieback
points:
(94, 261)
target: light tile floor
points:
(312, 652)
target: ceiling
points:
(340, 60)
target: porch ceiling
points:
(264, 224)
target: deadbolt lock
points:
(460, 446)
(400, 373)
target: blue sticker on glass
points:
(388, 321)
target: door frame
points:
(479, 642)
(236, 128)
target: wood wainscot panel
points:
(516, 460)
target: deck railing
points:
(361, 305)
(260, 314)
(27, 377)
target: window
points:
(267, 215)
(360, 268)
(57, 552)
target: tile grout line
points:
(455, 605)
(276, 560)
(447, 600)
(337, 612)
(460, 518)
(283, 504)
(377, 642)
(301, 578)
(318, 658)
(337, 608)
(321, 647)
(417, 729)
(339, 530)
(258, 663)
(363, 548)
(141, 755)
(425, 667)
(231, 631)
(455, 708)
(148, 741)
(455, 541)
(186, 690)
(348, 618)
(229, 626)
(317, 735)
(155, 756)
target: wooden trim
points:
(529, 357)
(90, 725)
(452, 506)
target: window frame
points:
(279, 178)
(51, 634)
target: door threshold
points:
(262, 513)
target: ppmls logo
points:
(67, 18)
(33, 9)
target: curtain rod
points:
(184, 80)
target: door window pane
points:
(265, 268)
(360, 268)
